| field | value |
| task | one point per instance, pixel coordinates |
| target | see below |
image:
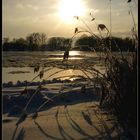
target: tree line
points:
(116, 43)
(40, 42)
(35, 42)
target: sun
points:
(70, 8)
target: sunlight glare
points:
(73, 53)
(70, 8)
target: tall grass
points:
(118, 83)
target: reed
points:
(118, 84)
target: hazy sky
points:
(55, 17)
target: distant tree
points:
(86, 43)
(8, 46)
(21, 44)
(52, 43)
(58, 43)
(43, 38)
(36, 40)
(5, 40)
(129, 44)
(117, 43)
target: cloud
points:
(20, 6)
(25, 6)
(93, 11)
(96, 11)
(23, 16)
(29, 6)
(35, 8)
(32, 6)
(117, 14)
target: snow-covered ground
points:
(75, 116)
(82, 121)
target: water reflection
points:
(28, 57)
(73, 53)
(6, 76)
(59, 58)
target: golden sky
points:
(55, 17)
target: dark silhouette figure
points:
(66, 54)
